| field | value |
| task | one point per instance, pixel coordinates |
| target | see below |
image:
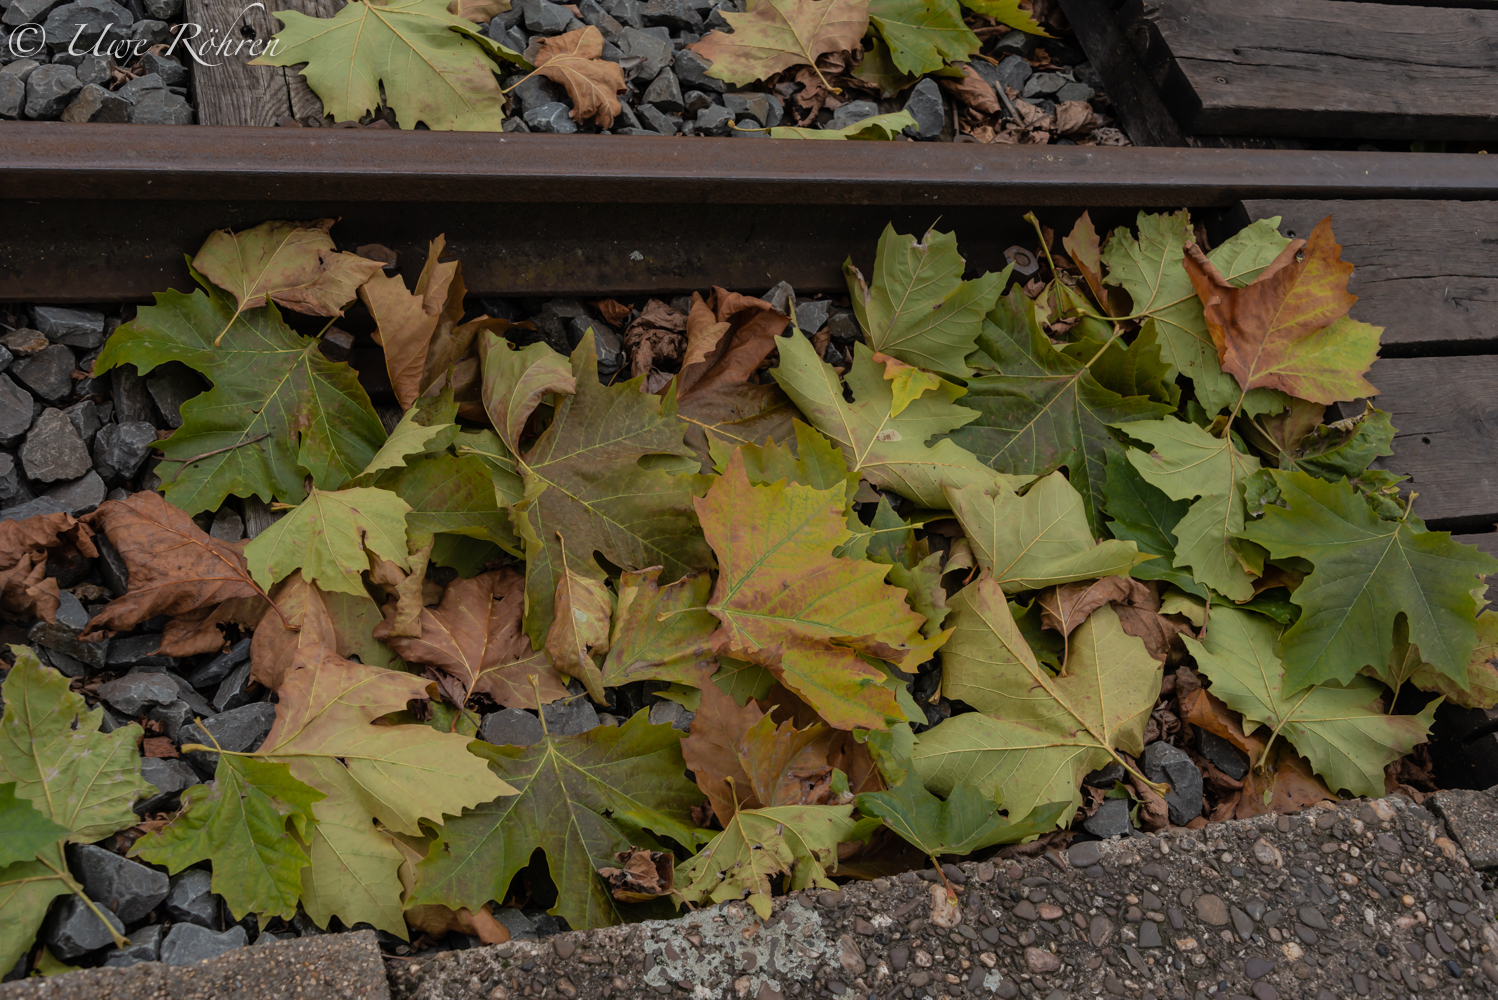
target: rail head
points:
(49, 161)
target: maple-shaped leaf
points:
(711, 750)
(278, 411)
(1008, 12)
(786, 602)
(585, 479)
(889, 451)
(515, 382)
(27, 889)
(251, 822)
(660, 633)
(1289, 329)
(1037, 540)
(424, 62)
(728, 337)
(907, 381)
(1150, 268)
(330, 537)
(1144, 515)
(1407, 666)
(1034, 734)
(342, 622)
(913, 567)
(799, 841)
(426, 428)
(398, 775)
(966, 821)
(1368, 570)
(917, 307)
(813, 460)
(1342, 729)
(1046, 410)
(774, 35)
(292, 264)
(575, 60)
(885, 128)
(584, 608)
(24, 832)
(474, 636)
(923, 35)
(174, 567)
(451, 494)
(1187, 463)
(1342, 449)
(581, 799)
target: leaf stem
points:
(120, 940)
(217, 451)
(1032, 220)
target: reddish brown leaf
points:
(312, 618)
(1287, 785)
(658, 335)
(160, 747)
(644, 875)
(974, 91)
(711, 751)
(475, 635)
(614, 312)
(409, 323)
(175, 567)
(201, 631)
(786, 765)
(438, 920)
(575, 60)
(1065, 607)
(728, 336)
(25, 589)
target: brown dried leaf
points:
(974, 91)
(436, 920)
(786, 766)
(711, 752)
(1074, 118)
(409, 323)
(25, 589)
(201, 631)
(645, 875)
(575, 60)
(1288, 785)
(728, 336)
(477, 11)
(659, 334)
(160, 747)
(175, 567)
(614, 312)
(1065, 607)
(475, 635)
(580, 627)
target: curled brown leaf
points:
(575, 60)
(25, 589)
(643, 875)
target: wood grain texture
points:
(229, 91)
(1326, 68)
(1427, 271)
(1133, 94)
(1445, 415)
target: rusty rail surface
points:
(105, 212)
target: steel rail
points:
(98, 213)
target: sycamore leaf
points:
(965, 822)
(877, 69)
(24, 832)
(251, 822)
(426, 428)
(327, 538)
(575, 60)
(27, 889)
(1187, 463)
(1285, 783)
(174, 567)
(786, 602)
(884, 127)
(1342, 730)
(1037, 540)
(1288, 329)
(813, 461)
(278, 410)
(343, 622)
(450, 494)
(584, 478)
(1368, 570)
(1008, 12)
(923, 35)
(1407, 666)
(1342, 449)
(399, 775)
(412, 55)
(777, 34)
(474, 636)
(1150, 269)
(289, 263)
(1144, 515)
(1046, 410)
(799, 841)
(580, 799)
(890, 451)
(409, 323)
(584, 606)
(1034, 734)
(711, 751)
(917, 307)
(515, 381)
(907, 381)
(660, 633)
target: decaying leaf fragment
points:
(25, 589)
(644, 875)
(575, 60)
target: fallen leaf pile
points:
(899, 600)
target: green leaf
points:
(880, 128)
(1046, 410)
(660, 633)
(1146, 516)
(51, 747)
(742, 680)
(1344, 449)
(917, 307)
(27, 888)
(799, 841)
(1150, 270)
(1040, 539)
(878, 69)
(1034, 735)
(327, 538)
(427, 427)
(923, 35)
(584, 478)
(278, 411)
(1134, 369)
(1367, 571)
(1187, 463)
(24, 832)
(251, 822)
(426, 64)
(1007, 12)
(452, 494)
(815, 461)
(516, 381)
(965, 822)
(582, 798)
(889, 451)
(1341, 730)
